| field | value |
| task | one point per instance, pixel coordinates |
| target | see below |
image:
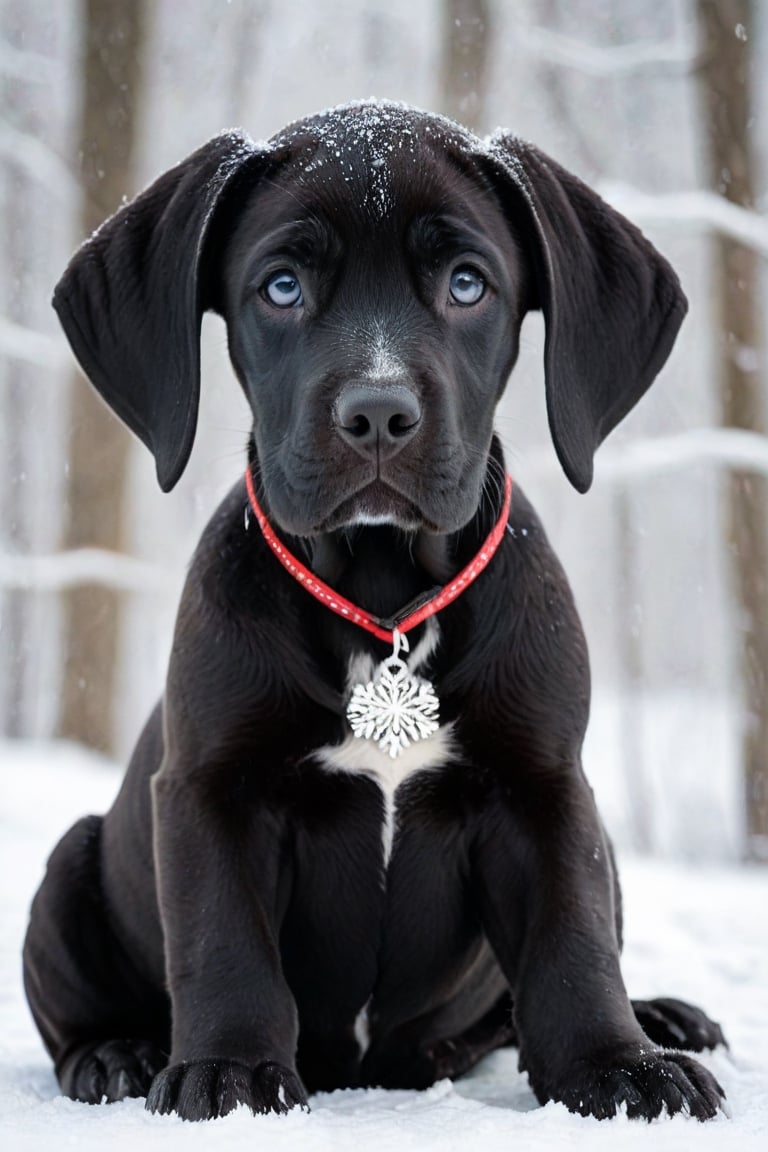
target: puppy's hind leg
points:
(104, 1025)
(409, 1061)
(676, 1024)
(453, 1058)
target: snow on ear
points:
(612, 304)
(132, 298)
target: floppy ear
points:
(612, 304)
(132, 298)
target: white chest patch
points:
(366, 758)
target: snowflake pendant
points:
(396, 708)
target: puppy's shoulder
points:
(526, 670)
(238, 663)
(233, 574)
(533, 577)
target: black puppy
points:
(309, 879)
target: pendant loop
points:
(399, 644)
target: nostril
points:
(358, 425)
(401, 423)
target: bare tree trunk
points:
(246, 34)
(17, 386)
(725, 81)
(464, 65)
(114, 40)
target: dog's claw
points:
(646, 1083)
(111, 1071)
(204, 1089)
(674, 1024)
(164, 1091)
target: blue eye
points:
(467, 286)
(283, 290)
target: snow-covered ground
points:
(701, 933)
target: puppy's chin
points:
(376, 506)
(373, 505)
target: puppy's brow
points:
(309, 239)
(308, 242)
(437, 236)
(432, 230)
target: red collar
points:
(414, 613)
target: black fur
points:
(233, 909)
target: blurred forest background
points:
(660, 104)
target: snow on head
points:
(360, 140)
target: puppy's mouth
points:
(377, 504)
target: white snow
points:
(690, 211)
(649, 457)
(78, 566)
(610, 61)
(701, 933)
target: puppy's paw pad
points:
(204, 1089)
(675, 1024)
(111, 1071)
(646, 1084)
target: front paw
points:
(646, 1080)
(204, 1089)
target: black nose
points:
(377, 420)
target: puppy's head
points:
(373, 265)
(373, 294)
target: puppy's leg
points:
(105, 1026)
(456, 1056)
(235, 1023)
(546, 884)
(410, 1062)
(676, 1024)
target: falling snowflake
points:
(396, 709)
